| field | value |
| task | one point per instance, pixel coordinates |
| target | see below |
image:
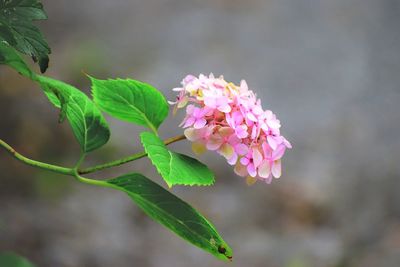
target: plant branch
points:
(54, 168)
(129, 158)
(34, 163)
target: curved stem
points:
(38, 164)
(75, 171)
(129, 158)
(54, 168)
(93, 181)
(113, 163)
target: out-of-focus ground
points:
(329, 69)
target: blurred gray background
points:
(329, 69)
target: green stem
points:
(75, 171)
(127, 159)
(93, 182)
(54, 168)
(38, 164)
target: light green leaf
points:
(175, 168)
(10, 259)
(9, 56)
(131, 101)
(17, 30)
(87, 123)
(173, 213)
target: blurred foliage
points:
(9, 259)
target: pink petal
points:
(226, 150)
(192, 134)
(287, 143)
(243, 86)
(276, 168)
(267, 150)
(257, 110)
(189, 122)
(210, 101)
(252, 170)
(241, 131)
(233, 159)
(241, 149)
(272, 142)
(254, 132)
(278, 153)
(189, 78)
(240, 170)
(190, 109)
(200, 123)
(274, 124)
(245, 161)
(237, 117)
(257, 157)
(264, 170)
(251, 116)
(214, 142)
(233, 140)
(225, 131)
(268, 180)
(225, 108)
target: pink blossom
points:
(230, 120)
(235, 121)
(217, 100)
(195, 117)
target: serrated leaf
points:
(9, 56)
(175, 168)
(175, 214)
(87, 123)
(10, 259)
(6, 35)
(131, 101)
(16, 18)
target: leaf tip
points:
(225, 252)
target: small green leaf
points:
(17, 30)
(87, 123)
(131, 101)
(173, 213)
(10, 259)
(9, 56)
(175, 168)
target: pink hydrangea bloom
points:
(230, 120)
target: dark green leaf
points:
(131, 101)
(173, 213)
(87, 123)
(10, 57)
(16, 29)
(6, 35)
(10, 259)
(175, 168)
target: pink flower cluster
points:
(229, 119)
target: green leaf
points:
(87, 123)
(9, 56)
(131, 101)
(10, 259)
(175, 168)
(173, 213)
(17, 30)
